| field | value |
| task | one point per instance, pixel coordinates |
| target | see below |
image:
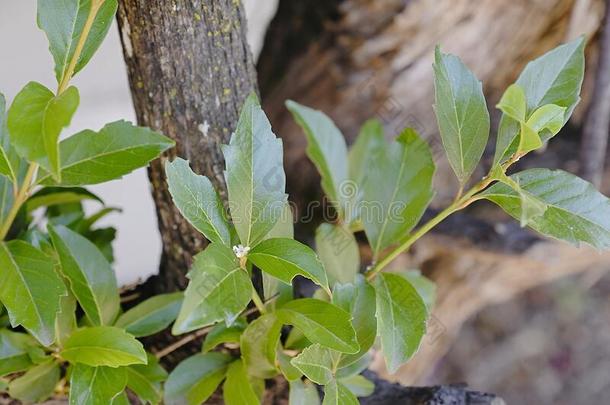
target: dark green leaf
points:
(336, 393)
(286, 258)
(90, 276)
(219, 290)
(103, 346)
(198, 201)
(327, 150)
(554, 78)
(63, 22)
(96, 385)
(322, 323)
(196, 379)
(255, 175)
(317, 363)
(31, 290)
(239, 388)
(37, 384)
(576, 211)
(303, 393)
(397, 190)
(17, 164)
(152, 315)
(145, 380)
(259, 344)
(461, 112)
(338, 252)
(222, 333)
(358, 299)
(401, 318)
(96, 157)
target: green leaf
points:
(338, 251)
(37, 384)
(255, 175)
(290, 372)
(196, 379)
(5, 166)
(321, 322)
(103, 346)
(14, 348)
(513, 103)
(35, 120)
(31, 290)
(239, 388)
(554, 78)
(90, 276)
(357, 367)
(461, 112)
(284, 228)
(152, 315)
(358, 385)
(286, 258)
(96, 385)
(317, 363)
(358, 299)
(576, 212)
(222, 333)
(63, 22)
(198, 201)
(326, 149)
(219, 290)
(259, 344)
(17, 164)
(65, 323)
(370, 138)
(52, 196)
(96, 157)
(303, 393)
(336, 393)
(401, 318)
(145, 380)
(397, 190)
(424, 286)
(549, 117)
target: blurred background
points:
(525, 318)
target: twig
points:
(595, 131)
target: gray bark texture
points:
(190, 70)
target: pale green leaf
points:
(284, 228)
(103, 346)
(91, 279)
(218, 290)
(286, 258)
(338, 251)
(195, 379)
(513, 103)
(401, 318)
(336, 393)
(37, 384)
(90, 157)
(290, 372)
(31, 290)
(239, 388)
(317, 363)
(303, 393)
(151, 316)
(14, 349)
(461, 112)
(321, 322)
(145, 380)
(221, 333)
(63, 22)
(397, 190)
(576, 212)
(549, 117)
(96, 385)
(358, 299)
(259, 345)
(326, 149)
(17, 164)
(553, 78)
(65, 323)
(424, 286)
(358, 385)
(198, 201)
(255, 175)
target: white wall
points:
(104, 98)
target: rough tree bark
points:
(189, 69)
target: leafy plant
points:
(64, 328)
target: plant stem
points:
(258, 301)
(22, 195)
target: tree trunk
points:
(190, 70)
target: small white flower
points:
(241, 251)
